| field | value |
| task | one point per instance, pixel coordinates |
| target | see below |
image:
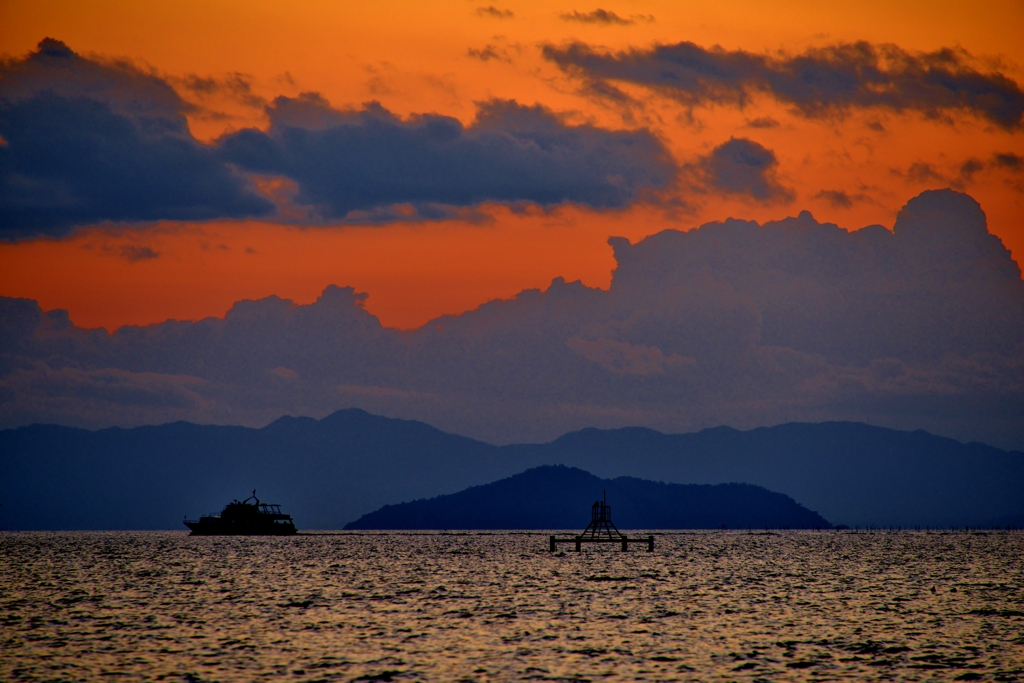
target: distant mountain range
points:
(330, 472)
(559, 497)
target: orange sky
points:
(414, 57)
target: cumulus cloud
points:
(89, 142)
(369, 160)
(818, 82)
(742, 166)
(731, 323)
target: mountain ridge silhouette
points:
(331, 471)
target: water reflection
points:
(706, 605)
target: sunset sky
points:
(845, 110)
(511, 220)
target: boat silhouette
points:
(244, 518)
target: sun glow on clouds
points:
(229, 61)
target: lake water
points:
(717, 605)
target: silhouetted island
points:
(557, 497)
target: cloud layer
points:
(369, 159)
(731, 323)
(85, 142)
(819, 82)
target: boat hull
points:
(220, 528)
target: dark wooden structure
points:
(601, 530)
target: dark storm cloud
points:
(819, 82)
(369, 160)
(742, 166)
(920, 327)
(88, 142)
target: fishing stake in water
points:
(601, 530)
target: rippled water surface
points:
(446, 607)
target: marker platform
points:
(601, 530)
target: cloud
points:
(841, 199)
(819, 82)
(734, 322)
(601, 16)
(86, 396)
(999, 162)
(626, 359)
(742, 166)
(970, 167)
(362, 164)
(921, 172)
(86, 142)
(1009, 160)
(234, 86)
(763, 122)
(134, 254)
(90, 142)
(494, 13)
(284, 373)
(489, 52)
